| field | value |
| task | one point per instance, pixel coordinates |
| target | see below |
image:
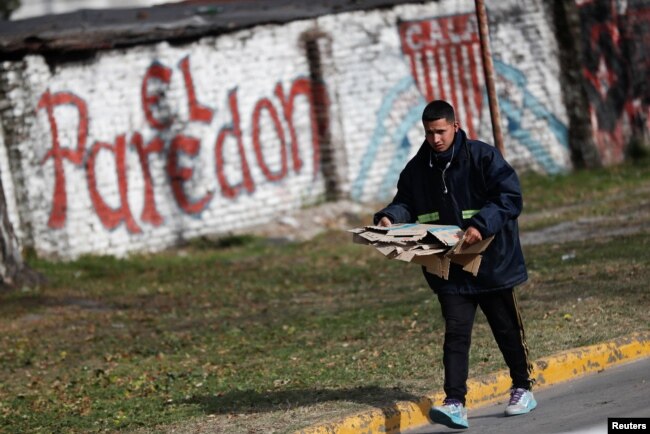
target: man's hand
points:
(384, 222)
(472, 236)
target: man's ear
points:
(456, 126)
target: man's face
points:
(440, 133)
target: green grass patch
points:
(546, 193)
(242, 334)
(585, 194)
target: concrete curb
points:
(491, 388)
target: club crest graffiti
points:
(444, 58)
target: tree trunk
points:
(14, 272)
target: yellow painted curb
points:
(491, 388)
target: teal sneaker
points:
(451, 413)
(522, 401)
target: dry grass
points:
(247, 336)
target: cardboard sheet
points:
(435, 247)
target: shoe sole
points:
(446, 420)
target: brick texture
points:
(139, 149)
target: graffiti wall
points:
(140, 148)
(143, 148)
(616, 67)
(440, 58)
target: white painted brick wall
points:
(525, 53)
(375, 108)
(32, 8)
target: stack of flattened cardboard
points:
(434, 246)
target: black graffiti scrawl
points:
(615, 40)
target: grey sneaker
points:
(522, 401)
(451, 413)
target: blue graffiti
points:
(399, 137)
(514, 116)
(403, 149)
(379, 134)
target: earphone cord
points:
(444, 184)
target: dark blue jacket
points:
(484, 192)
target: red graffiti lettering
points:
(265, 104)
(266, 118)
(110, 217)
(435, 33)
(301, 86)
(149, 212)
(198, 112)
(57, 153)
(151, 99)
(178, 175)
(234, 130)
(440, 52)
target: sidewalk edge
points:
(491, 388)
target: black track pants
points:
(501, 310)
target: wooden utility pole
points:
(488, 71)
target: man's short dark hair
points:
(438, 109)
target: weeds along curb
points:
(491, 388)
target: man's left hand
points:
(472, 236)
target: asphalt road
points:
(580, 406)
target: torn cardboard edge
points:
(435, 247)
(448, 235)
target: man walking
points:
(453, 180)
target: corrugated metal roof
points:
(91, 30)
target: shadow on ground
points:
(249, 401)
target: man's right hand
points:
(384, 222)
